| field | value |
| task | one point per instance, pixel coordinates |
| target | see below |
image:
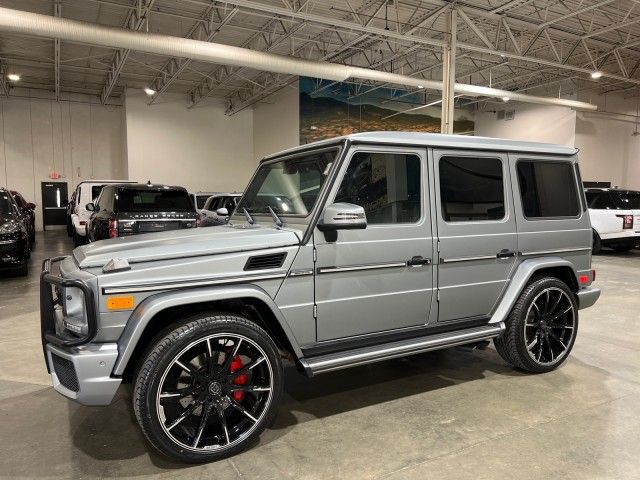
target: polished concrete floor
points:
(447, 414)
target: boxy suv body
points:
(340, 253)
(615, 218)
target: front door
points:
(54, 203)
(380, 278)
(476, 232)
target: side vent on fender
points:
(262, 262)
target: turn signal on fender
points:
(120, 303)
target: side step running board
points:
(403, 348)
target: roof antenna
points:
(250, 219)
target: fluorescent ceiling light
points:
(505, 99)
(149, 91)
(420, 86)
(596, 75)
(14, 77)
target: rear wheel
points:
(208, 388)
(542, 327)
(597, 243)
(78, 240)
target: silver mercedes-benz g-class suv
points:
(342, 252)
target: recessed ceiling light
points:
(149, 91)
(505, 99)
(420, 86)
(596, 75)
(14, 77)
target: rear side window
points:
(600, 201)
(386, 185)
(471, 189)
(627, 200)
(548, 189)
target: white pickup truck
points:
(615, 218)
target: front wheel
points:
(542, 327)
(208, 388)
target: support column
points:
(449, 73)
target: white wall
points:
(608, 150)
(200, 148)
(536, 123)
(78, 139)
(276, 122)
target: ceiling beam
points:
(136, 19)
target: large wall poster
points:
(330, 109)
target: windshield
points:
(627, 200)
(289, 187)
(201, 200)
(130, 200)
(5, 204)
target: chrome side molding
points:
(378, 353)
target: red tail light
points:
(113, 228)
(82, 222)
(627, 221)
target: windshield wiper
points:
(250, 219)
(276, 218)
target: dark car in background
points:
(28, 210)
(15, 244)
(131, 209)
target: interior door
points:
(379, 278)
(54, 203)
(476, 232)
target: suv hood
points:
(185, 243)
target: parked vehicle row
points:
(340, 253)
(17, 232)
(615, 218)
(218, 208)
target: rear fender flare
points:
(524, 271)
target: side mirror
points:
(90, 206)
(223, 212)
(31, 206)
(342, 216)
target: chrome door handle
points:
(418, 261)
(505, 254)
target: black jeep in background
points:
(15, 243)
(134, 208)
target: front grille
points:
(260, 262)
(65, 372)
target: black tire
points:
(513, 344)
(596, 247)
(70, 229)
(78, 240)
(23, 270)
(155, 370)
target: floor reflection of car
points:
(131, 209)
(28, 209)
(15, 244)
(218, 208)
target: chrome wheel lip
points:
(572, 326)
(244, 435)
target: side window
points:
(471, 189)
(548, 189)
(600, 201)
(386, 185)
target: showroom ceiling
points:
(546, 47)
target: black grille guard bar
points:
(47, 307)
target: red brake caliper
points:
(236, 364)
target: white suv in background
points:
(615, 218)
(85, 193)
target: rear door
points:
(476, 232)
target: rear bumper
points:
(83, 373)
(587, 296)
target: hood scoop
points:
(263, 262)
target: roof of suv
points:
(150, 186)
(440, 140)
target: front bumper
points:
(13, 252)
(587, 296)
(79, 370)
(83, 373)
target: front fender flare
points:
(524, 271)
(155, 304)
